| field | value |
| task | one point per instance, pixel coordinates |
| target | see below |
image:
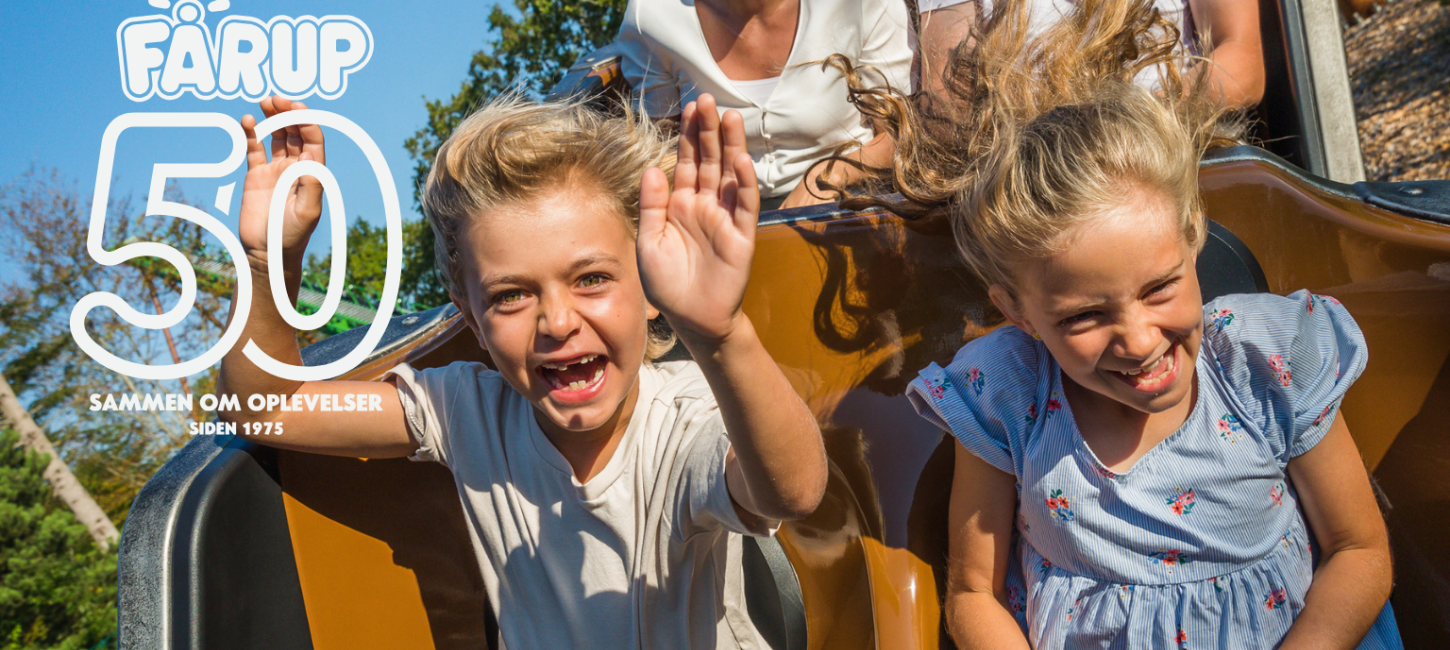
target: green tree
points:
(367, 257)
(57, 588)
(43, 221)
(527, 53)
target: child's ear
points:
(1006, 304)
(466, 311)
(650, 313)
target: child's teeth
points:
(1166, 361)
(598, 372)
(1152, 366)
(562, 366)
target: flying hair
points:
(1038, 134)
(513, 149)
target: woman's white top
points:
(758, 91)
(805, 116)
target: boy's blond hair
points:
(513, 149)
(1038, 134)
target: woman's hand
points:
(877, 153)
(304, 199)
(801, 196)
(696, 243)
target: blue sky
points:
(60, 73)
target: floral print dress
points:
(1200, 544)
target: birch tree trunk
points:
(62, 482)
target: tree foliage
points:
(367, 257)
(528, 52)
(57, 588)
(43, 220)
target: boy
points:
(602, 489)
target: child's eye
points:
(1076, 318)
(507, 297)
(1162, 287)
(591, 280)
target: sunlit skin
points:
(560, 292)
(580, 295)
(1229, 41)
(1122, 295)
(1103, 311)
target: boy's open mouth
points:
(576, 375)
(1155, 376)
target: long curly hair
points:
(1037, 132)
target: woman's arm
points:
(695, 249)
(983, 506)
(886, 50)
(876, 153)
(1353, 578)
(1234, 49)
(942, 30)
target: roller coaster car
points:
(232, 545)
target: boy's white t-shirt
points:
(640, 556)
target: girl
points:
(1135, 469)
(605, 492)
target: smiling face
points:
(553, 294)
(1120, 308)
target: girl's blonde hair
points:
(1038, 134)
(513, 149)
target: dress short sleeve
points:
(1289, 361)
(986, 397)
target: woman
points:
(763, 58)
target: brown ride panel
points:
(851, 307)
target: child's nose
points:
(558, 319)
(1138, 339)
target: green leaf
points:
(528, 51)
(57, 588)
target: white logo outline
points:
(158, 206)
(214, 44)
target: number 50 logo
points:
(157, 205)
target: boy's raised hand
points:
(695, 247)
(304, 199)
(696, 243)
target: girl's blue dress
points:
(1200, 544)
